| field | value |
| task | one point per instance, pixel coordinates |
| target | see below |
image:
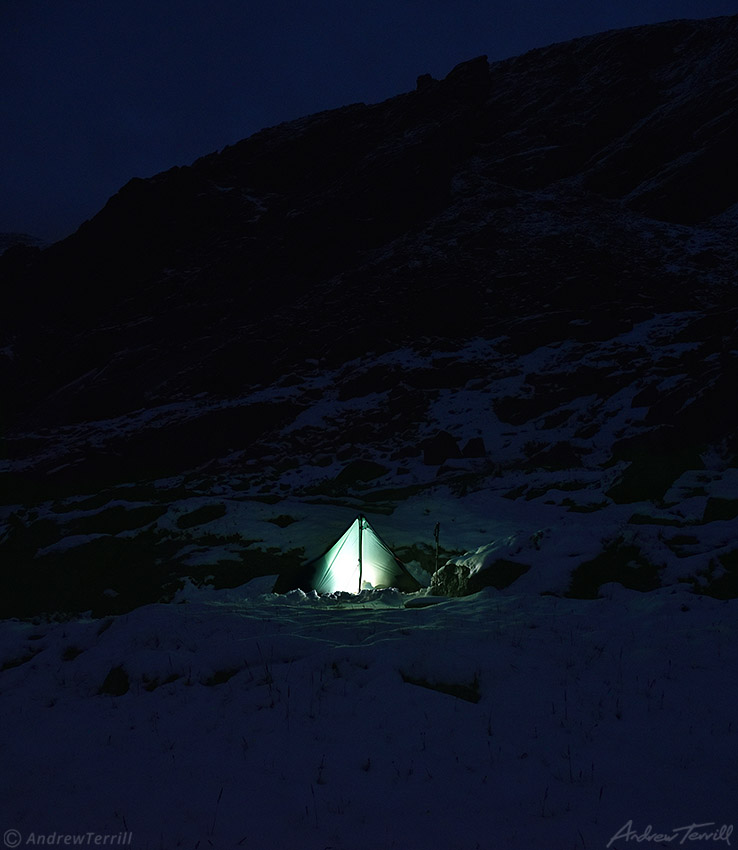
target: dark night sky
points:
(94, 92)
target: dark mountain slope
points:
(535, 258)
(220, 249)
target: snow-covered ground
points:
(502, 720)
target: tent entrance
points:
(359, 560)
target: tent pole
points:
(361, 530)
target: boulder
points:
(474, 448)
(439, 449)
(457, 579)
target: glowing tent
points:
(358, 560)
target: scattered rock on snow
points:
(460, 580)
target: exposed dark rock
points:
(283, 520)
(424, 82)
(445, 372)
(375, 379)
(221, 258)
(472, 77)
(468, 692)
(116, 520)
(619, 562)
(456, 580)
(439, 449)
(360, 471)
(724, 586)
(116, 682)
(201, 515)
(450, 580)
(720, 509)
(556, 456)
(501, 574)
(657, 458)
(474, 448)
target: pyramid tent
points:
(358, 560)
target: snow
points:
(509, 719)
(69, 542)
(505, 719)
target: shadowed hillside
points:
(514, 285)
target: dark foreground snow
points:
(501, 720)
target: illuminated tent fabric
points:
(358, 560)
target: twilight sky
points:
(94, 92)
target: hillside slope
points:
(507, 295)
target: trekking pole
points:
(436, 535)
(361, 554)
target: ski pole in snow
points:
(436, 535)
